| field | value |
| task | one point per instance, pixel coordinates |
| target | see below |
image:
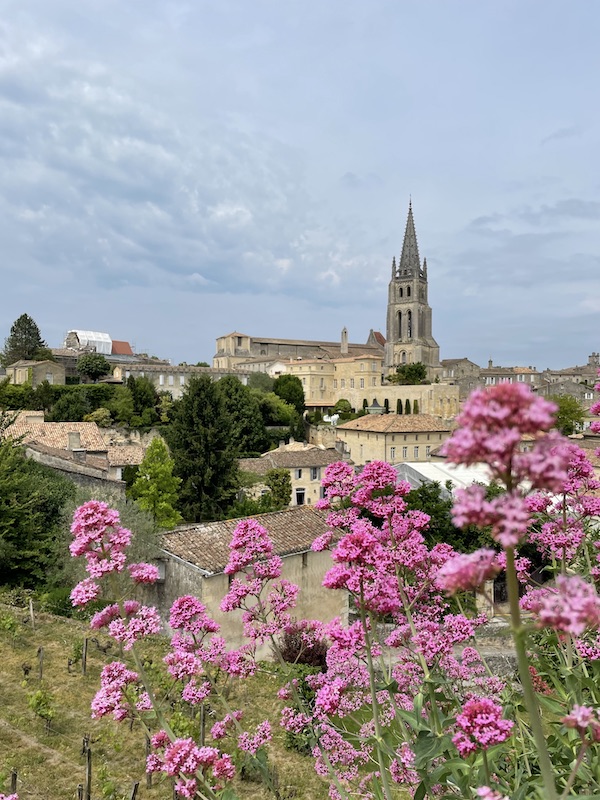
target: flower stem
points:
(520, 638)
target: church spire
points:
(409, 260)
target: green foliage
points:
(342, 407)
(409, 374)
(43, 396)
(407, 406)
(155, 487)
(248, 430)
(570, 414)
(71, 407)
(365, 404)
(415, 406)
(41, 702)
(398, 406)
(32, 501)
(289, 388)
(121, 405)
(93, 366)
(143, 394)
(101, 416)
(279, 482)
(386, 406)
(200, 440)
(24, 342)
(261, 381)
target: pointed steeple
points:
(393, 267)
(409, 260)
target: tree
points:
(24, 341)
(289, 388)
(570, 414)
(32, 502)
(247, 424)
(71, 407)
(398, 406)
(93, 366)
(409, 374)
(155, 487)
(261, 381)
(199, 438)
(415, 406)
(145, 398)
(279, 482)
(407, 406)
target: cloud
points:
(562, 133)
(572, 208)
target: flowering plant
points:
(407, 698)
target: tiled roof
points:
(28, 363)
(380, 337)
(121, 348)
(295, 459)
(56, 434)
(206, 545)
(125, 455)
(396, 423)
(96, 462)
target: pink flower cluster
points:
(9, 796)
(585, 720)
(463, 572)
(481, 725)
(184, 760)
(113, 696)
(572, 607)
(100, 538)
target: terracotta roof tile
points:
(56, 434)
(206, 545)
(396, 423)
(295, 459)
(125, 455)
(121, 348)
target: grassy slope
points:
(50, 764)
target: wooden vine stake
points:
(148, 774)
(40, 655)
(13, 781)
(31, 615)
(84, 656)
(134, 790)
(88, 775)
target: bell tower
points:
(408, 328)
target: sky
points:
(174, 171)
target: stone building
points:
(392, 437)
(35, 372)
(194, 557)
(172, 379)
(409, 337)
(305, 463)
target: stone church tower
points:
(408, 330)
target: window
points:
(298, 474)
(361, 452)
(127, 373)
(392, 453)
(405, 452)
(352, 383)
(362, 366)
(239, 341)
(182, 380)
(50, 377)
(335, 383)
(362, 383)
(300, 497)
(416, 452)
(315, 473)
(427, 451)
(322, 383)
(171, 380)
(161, 380)
(373, 366)
(304, 560)
(373, 381)
(343, 383)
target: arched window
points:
(400, 325)
(401, 292)
(408, 291)
(404, 357)
(409, 324)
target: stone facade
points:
(409, 337)
(36, 372)
(194, 557)
(393, 438)
(172, 379)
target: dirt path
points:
(54, 757)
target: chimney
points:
(74, 440)
(344, 344)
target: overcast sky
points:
(174, 171)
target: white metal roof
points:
(419, 472)
(101, 341)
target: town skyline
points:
(179, 171)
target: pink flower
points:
(490, 794)
(480, 726)
(571, 607)
(145, 622)
(464, 572)
(585, 720)
(85, 591)
(251, 744)
(143, 573)
(189, 614)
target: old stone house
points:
(392, 437)
(36, 372)
(172, 379)
(194, 557)
(305, 463)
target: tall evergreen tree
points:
(249, 434)
(155, 487)
(289, 388)
(200, 441)
(24, 342)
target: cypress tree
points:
(407, 406)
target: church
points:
(408, 338)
